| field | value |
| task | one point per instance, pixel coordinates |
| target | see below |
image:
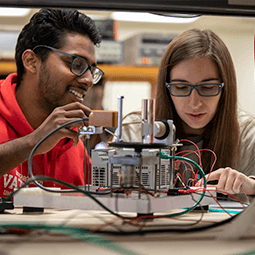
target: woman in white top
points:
(197, 90)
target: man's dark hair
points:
(49, 27)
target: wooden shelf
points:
(7, 67)
(132, 73)
(112, 72)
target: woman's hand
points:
(231, 181)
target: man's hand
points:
(230, 181)
(16, 151)
(58, 117)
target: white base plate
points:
(145, 205)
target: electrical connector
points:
(175, 192)
(5, 204)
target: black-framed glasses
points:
(179, 89)
(78, 65)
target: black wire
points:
(39, 143)
(222, 199)
(202, 210)
(116, 202)
(172, 230)
(43, 178)
(148, 211)
(146, 220)
(75, 189)
(141, 232)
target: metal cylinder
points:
(120, 107)
(127, 176)
(148, 118)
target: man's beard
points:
(51, 96)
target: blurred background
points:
(132, 46)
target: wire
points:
(122, 233)
(74, 189)
(172, 230)
(250, 252)
(214, 162)
(111, 133)
(39, 143)
(184, 174)
(76, 233)
(164, 156)
(197, 151)
(182, 230)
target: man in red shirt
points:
(56, 66)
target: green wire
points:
(164, 156)
(251, 252)
(76, 233)
(75, 188)
(87, 193)
(93, 238)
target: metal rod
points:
(148, 118)
(172, 161)
(89, 156)
(111, 181)
(159, 175)
(120, 107)
(138, 154)
(155, 181)
(85, 162)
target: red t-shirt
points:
(64, 162)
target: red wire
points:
(186, 140)
(215, 159)
(209, 191)
(197, 152)
(191, 169)
(216, 200)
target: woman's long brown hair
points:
(222, 133)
